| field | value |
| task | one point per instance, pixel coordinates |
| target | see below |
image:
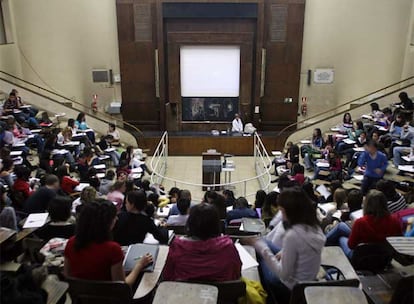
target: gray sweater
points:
(301, 255)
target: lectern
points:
(211, 169)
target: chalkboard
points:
(209, 108)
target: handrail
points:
(85, 106)
(163, 146)
(346, 103)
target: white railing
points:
(262, 161)
(159, 160)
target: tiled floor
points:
(189, 171)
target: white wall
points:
(63, 41)
(364, 41)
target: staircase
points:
(54, 103)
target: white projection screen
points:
(210, 71)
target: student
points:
(116, 194)
(315, 147)
(182, 194)
(21, 186)
(62, 224)
(114, 134)
(81, 125)
(259, 199)
(298, 173)
(395, 201)
(300, 258)
(133, 224)
(269, 208)
(91, 254)
(67, 183)
(241, 209)
(88, 195)
(107, 182)
(229, 197)
(38, 202)
(375, 163)
(374, 227)
(347, 121)
(183, 206)
(6, 172)
(204, 255)
(8, 217)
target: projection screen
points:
(210, 71)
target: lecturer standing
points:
(237, 124)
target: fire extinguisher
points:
(304, 107)
(94, 104)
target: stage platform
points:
(195, 143)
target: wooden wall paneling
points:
(257, 64)
(136, 34)
(162, 64)
(283, 42)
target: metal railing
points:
(344, 107)
(65, 101)
(262, 160)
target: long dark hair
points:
(270, 200)
(260, 199)
(94, 223)
(298, 207)
(345, 120)
(80, 117)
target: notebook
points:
(36, 220)
(135, 252)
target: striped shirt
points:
(397, 204)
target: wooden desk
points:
(55, 289)
(150, 279)
(334, 256)
(251, 273)
(334, 295)
(403, 245)
(6, 234)
(178, 293)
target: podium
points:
(211, 169)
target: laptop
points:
(135, 252)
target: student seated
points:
(67, 183)
(91, 254)
(39, 201)
(241, 209)
(183, 206)
(88, 195)
(395, 201)
(116, 194)
(133, 224)
(204, 255)
(374, 227)
(62, 224)
(300, 258)
(107, 182)
(114, 133)
(8, 217)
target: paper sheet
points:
(247, 260)
(36, 220)
(323, 191)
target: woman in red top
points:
(204, 255)
(67, 183)
(91, 255)
(374, 227)
(21, 187)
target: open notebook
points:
(137, 251)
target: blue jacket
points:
(380, 162)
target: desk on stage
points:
(211, 169)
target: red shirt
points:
(93, 262)
(68, 184)
(215, 260)
(22, 186)
(369, 229)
